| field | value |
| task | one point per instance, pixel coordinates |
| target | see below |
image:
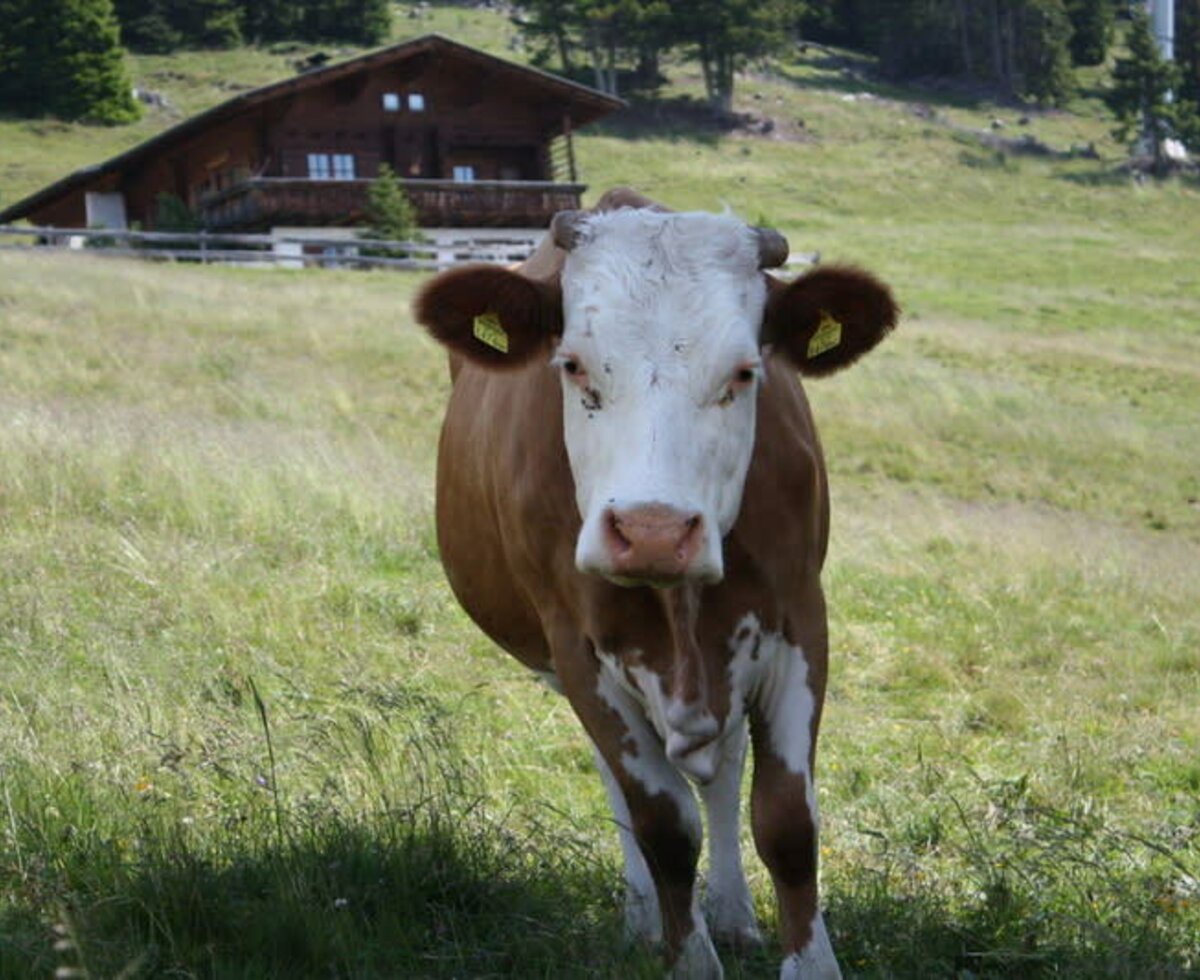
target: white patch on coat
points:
(661, 311)
(643, 921)
(774, 674)
(727, 901)
(699, 763)
(647, 763)
(816, 961)
(550, 679)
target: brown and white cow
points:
(632, 501)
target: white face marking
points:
(661, 359)
(816, 961)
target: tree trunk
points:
(564, 50)
(964, 36)
(612, 66)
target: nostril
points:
(615, 539)
(689, 541)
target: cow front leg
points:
(642, 918)
(662, 813)
(727, 902)
(784, 812)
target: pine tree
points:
(146, 27)
(1187, 48)
(17, 81)
(1091, 30)
(1044, 52)
(727, 33)
(390, 214)
(64, 58)
(1139, 96)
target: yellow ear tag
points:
(489, 331)
(827, 337)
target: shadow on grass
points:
(449, 893)
(427, 895)
(677, 119)
(828, 71)
(992, 884)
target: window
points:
(416, 102)
(391, 102)
(331, 166)
(464, 175)
(318, 166)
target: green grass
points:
(216, 493)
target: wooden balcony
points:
(264, 202)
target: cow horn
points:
(773, 248)
(566, 229)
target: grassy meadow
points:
(246, 732)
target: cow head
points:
(658, 324)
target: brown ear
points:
(490, 315)
(827, 319)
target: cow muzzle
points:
(654, 544)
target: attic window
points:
(391, 102)
(416, 102)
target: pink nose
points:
(653, 542)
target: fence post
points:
(203, 247)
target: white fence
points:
(293, 251)
(284, 251)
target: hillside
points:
(248, 733)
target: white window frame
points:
(464, 174)
(391, 101)
(416, 102)
(342, 166)
(319, 167)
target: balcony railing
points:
(266, 201)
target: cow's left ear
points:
(828, 318)
(492, 316)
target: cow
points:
(632, 501)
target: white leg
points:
(657, 801)
(727, 898)
(816, 961)
(642, 918)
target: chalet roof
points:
(582, 103)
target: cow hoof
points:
(816, 961)
(732, 923)
(697, 959)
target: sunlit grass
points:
(216, 486)
(215, 483)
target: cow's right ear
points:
(492, 316)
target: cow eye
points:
(573, 368)
(741, 379)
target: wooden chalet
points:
(477, 141)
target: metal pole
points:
(1162, 20)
